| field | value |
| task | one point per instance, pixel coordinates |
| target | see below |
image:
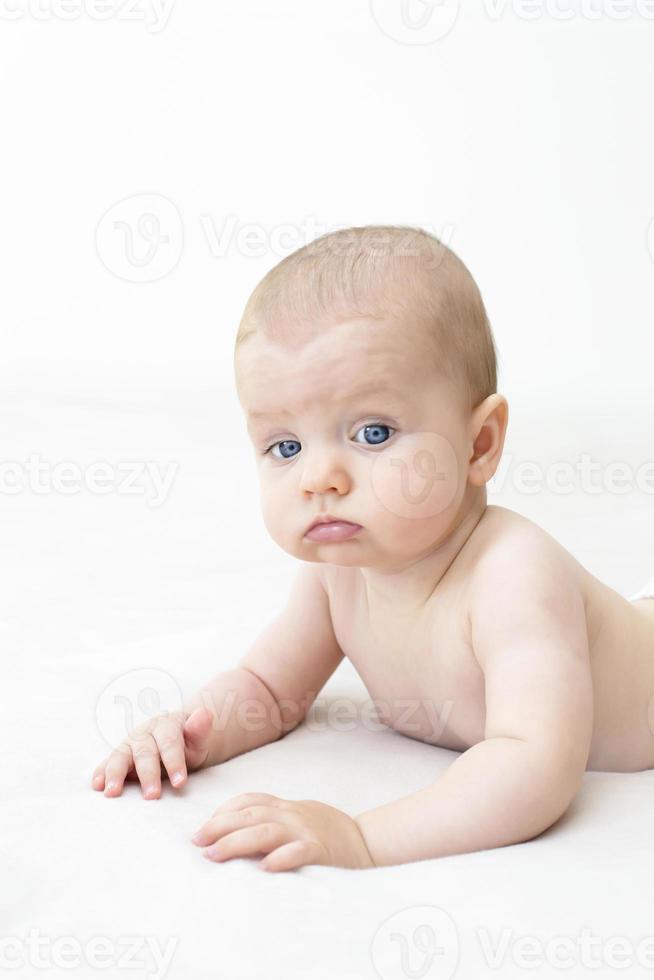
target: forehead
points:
(348, 360)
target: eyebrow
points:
(390, 397)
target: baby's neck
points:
(413, 584)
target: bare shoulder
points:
(507, 536)
(529, 636)
(519, 562)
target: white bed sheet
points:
(98, 587)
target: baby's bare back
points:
(420, 670)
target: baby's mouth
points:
(332, 531)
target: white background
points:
(522, 136)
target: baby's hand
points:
(172, 743)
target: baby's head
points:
(366, 368)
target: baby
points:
(366, 368)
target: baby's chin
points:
(352, 553)
(341, 553)
(347, 552)
(336, 556)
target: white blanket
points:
(97, 587)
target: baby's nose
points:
(322, 473)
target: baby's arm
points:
(287, 665)
(529, 635)
(292, 658)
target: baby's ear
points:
(488, 429)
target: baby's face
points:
(356, 423)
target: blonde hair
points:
(374, 272)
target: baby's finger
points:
(147, 763)
(97, 779)
(117, 766)
(168, 737)
(197, 736)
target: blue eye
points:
(378, 432)
(284, 442)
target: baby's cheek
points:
(270, 507)
(418, 477)
(278, 516)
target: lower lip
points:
(333, 531)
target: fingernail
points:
(197, 837)
(112, 784)
(150, 791)
(176, 778)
